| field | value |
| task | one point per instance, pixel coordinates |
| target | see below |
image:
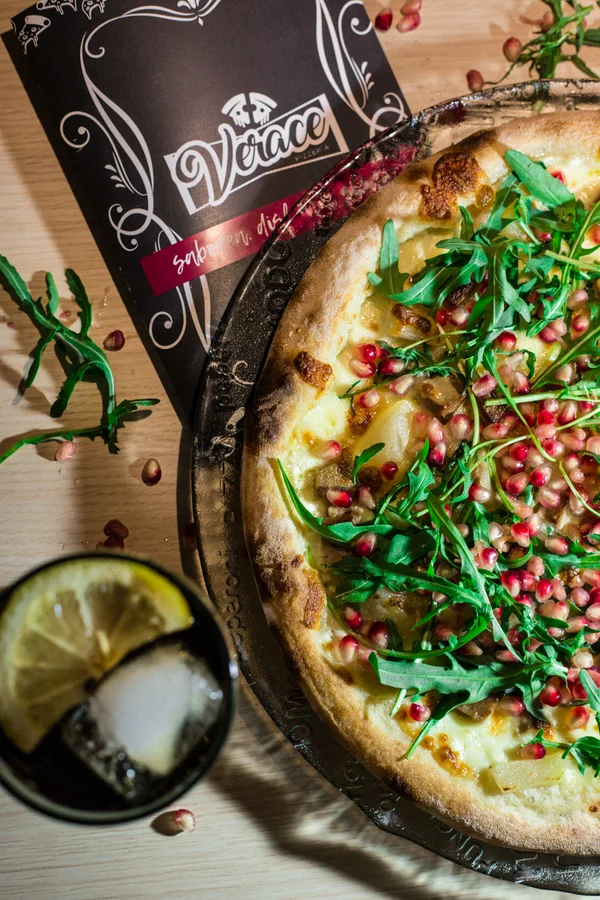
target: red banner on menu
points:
(214, 248)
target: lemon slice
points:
(66, 626)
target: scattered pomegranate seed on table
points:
(512, 49)
(66, 451)
(184, 819)
(114, 528)
(475, 80)
(152, 472)
(383, 19)
(409, 23)
(114, 341)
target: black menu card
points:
(188, 129)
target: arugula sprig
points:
(81, 359)
(585, 751)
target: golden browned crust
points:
(317, 321)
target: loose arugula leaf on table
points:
(585, 751)
(80, 357)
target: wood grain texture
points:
(268, 825)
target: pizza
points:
(421, 486)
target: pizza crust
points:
(317, 322)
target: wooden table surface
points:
(269, 827)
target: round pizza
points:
(422, 485)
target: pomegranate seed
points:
(548, 499)
(510, 581)
(506, 656)
(365, 497)
(518, 452)
(340, 498)
(389, 470)
(557, 544)
(443, 632)
(522, 510)
(65, 451)
(383, 20)
(419, 712)
(369, 399)
(595, 595)
(348, 647)
(520, 533)
(437, 454)
(510, 420)
(582, 659)
(525, 600)
(521, 384)
(534, 457)
(532, 751)
(402, 386)
(588, 465)
(553, 448)
(365, 544)
(475, 80)
(470, 649)
(593, 445)
(577, 298)
(329, 450)
(516, 484)
(548, 334)
(184, 819)
(513, 706)
(540, 476)
(507, 341)
(459, 316)
(115, 528)
(577, 717)
(114, 341)
(478, 493)
(512, 465)
(566, 373)
(435, 432)
(580, 597)
(362, 369)
(543, 590)
(353, 618)
(558, 589)
(575, 624)
(536, 566)
(515, 637)
(559, 177)
(495, 431)
(391, 366)
(152, 472)
(579, 324)
(512, 49)
(571, 441)
(409, 23)
(461, 426)
(550, 695)
(545, 417)
(441, 316)
(560, 327)
(485, 385)
(411, 6)
(593, 612)
(578, 691)
(379, 634)
(488, 557)
(367, 352)
(527, 410)
(586, 406)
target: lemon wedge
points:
(65, 627)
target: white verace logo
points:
(252, 146)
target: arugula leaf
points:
(391, 281)
(342, 532)
(593, 694)
(80, 357)
(405, 548)
(539, 182)
(363, 458)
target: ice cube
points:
(145, 717)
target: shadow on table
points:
(307, 818)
